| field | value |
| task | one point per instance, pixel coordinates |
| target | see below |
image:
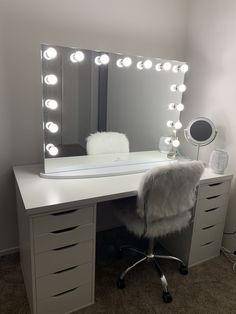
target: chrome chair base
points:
(150, 256)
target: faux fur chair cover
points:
(107, 143)
(165, 199)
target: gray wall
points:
(211, 54)
(150, 28)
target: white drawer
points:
(59, 259)
(62, 220)
(216, 188)
(51, 285)
(211, 202)
(210, 216)
(67, 301)
(64, 237)
(208, 234)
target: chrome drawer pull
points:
(208, 243)
(211, 197)
(215, 184)
(65, 292)
(65, 247)
(64, 270)
(209, 227)
(212, 209)
(64, 213)
(64, 230)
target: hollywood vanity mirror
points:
(85, 91)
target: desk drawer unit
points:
(209, 221)
(64, 247)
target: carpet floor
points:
(208, 288)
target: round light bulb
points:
(50, 79)
(104, 59)
(52, 127)
(77, 56)
(51, 104)
(119, 63)
(176, 143)
(172, 106)
(98, 61)
(140, 65)
(170, 124)
(184, 68)
(178, 125)
(175, 68)
(168, 140)
(50, 53)
(53, 150)
(173, 88)
(147, 64)
(182, 88)
(158, 67)
(166, 66)
(180, 107)
(127, 62)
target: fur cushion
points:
(107, 143)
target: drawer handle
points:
(64, 230)
(64, 213)
(65, 247)
(64, 270)
(215, 184)
(208, 243)
(212, 209)
(65, 292)
(211, 197)
(209, 227)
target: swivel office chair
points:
(166, 198)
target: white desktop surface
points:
(40, 195)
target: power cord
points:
(230, 257)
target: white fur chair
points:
(107, 143)
(166, 197)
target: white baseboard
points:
(9, 251)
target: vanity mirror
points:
(85, 91)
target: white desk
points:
(57, 231)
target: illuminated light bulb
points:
(175, 68)
(178, 125)
(180, 107)
(52, 127)
(184, 68)
(172, 106)
(50, 53)
(77, 56)
(119, 63)
(170, 124)
(103, 59)
(140, 65)
(52, 149)
(181, 88)
(127, 62)
(51, 104)
(173, 88)
(147, 64)
(176, 143)
(158, 67)
(166, 66)
(168, 140)
(50, 79)
(98, 60)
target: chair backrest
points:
(169, 191)
(107, 143)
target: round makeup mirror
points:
(200, 132)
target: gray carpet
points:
(209, 288)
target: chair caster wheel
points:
(121, 283)
(183, 269)
(166, 296)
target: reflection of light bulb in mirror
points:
(126, 62)
(178, 125)
(166, 66)
(182, 88)
(51, 104)
(119, 63)
(184, 68)
(50, 79)
(180, 107)
(103, 59)
(158, 67)
(172, 106)
(170, 124)
(173, 88)
(50, 53)
(53, 150)
(140, 65)
(52, 127)
(168, 140)
(77, 56)
(176, 143)
(147, 64)
(175, 68)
